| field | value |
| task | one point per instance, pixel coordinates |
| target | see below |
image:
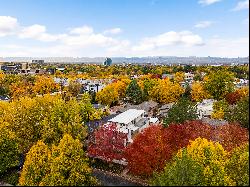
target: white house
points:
(205, 108)
(131, 122)
(188, 76)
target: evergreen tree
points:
(181, 111)
(134, 92)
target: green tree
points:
(219, 84)
(134, 92)
(62, 165)
(239, 113)
(202, 163)
(181, 111)
(238, 165)
(65, 117)
(9, 152)
(180, 172)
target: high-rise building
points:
(107, 62)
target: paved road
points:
(107, 179)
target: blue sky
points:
(124, 28)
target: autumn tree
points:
(47, 118)
(219, 108)
(65, 164)
(179, 76)
(233, 97)
(74, 88)
(108, 95)
(107, 143)
(181, 111)
(134, 92)
(237, 166)
(166, 91)
(156, 145)
(198, 93)
(65, 117)
(201, 163)
(9, 151)
(87, 110)
(231, 136)
(239, 113)
(219, 83)
(44, 85)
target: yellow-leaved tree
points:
(62, 165)
(202, 163)
(198, 93)
(44, 85)
(166, 91)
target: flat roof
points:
(127, 116)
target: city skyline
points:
(124, 28)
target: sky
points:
(124, 28)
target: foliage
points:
(166, 91)
(46, 117)
(65, 164)
(156, 145)
(11, 178)
(179, 76)
(219, 108)
(198, 92)
(231, 136)
(148, 152)
(44, 85)
(233, 97)
(9, 152)
(74, 88)
(181, 111)
(238, 165)
(134, 92)
(107, 143)
(201, 163)
(182, 171)
(219, 83)
(239, 113)
(107, 95)
(64, 118)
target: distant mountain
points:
(155, 59)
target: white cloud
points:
(38, 32)
(88, 40)
(8, 25)
(203, 24)
(82, 30)
(207, 2)
(83, 41)
(215, 46)
(113, 31)
(241, 5)
(169, 38)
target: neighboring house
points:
(205, 108)
(153, 121)
(170, 76)
(131, 122)
(163, 110)
(147, 106)
(241, 83)
(188, 77)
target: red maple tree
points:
(233, 97)
(156, 145)
(107, 143)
